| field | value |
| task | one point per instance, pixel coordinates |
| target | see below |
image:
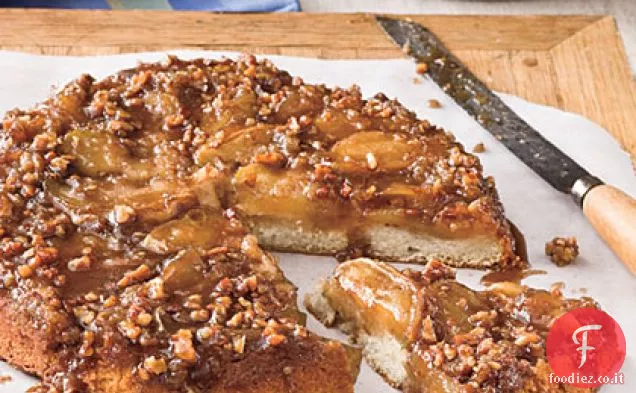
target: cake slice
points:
(424, 332)
(198, 308)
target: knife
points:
(610, 211)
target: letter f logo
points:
(590, 339)
(584, 348)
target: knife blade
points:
(611, 211)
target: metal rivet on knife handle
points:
(582, 186)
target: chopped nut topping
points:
(200, 315)
(80, 264)
(141, 273)
(272, 158)
(143, 319)
(87, 350)
(435, 104)
(239, 344)
(204, 334)
(121, 214)
(428, 332)
(182, 345)
(25, 271)
(527, 338)
(155, 366)
(252, 283)
(372, 162)
(450, 352)
(562, 250)
(84, 315)
(8, 280)
(250, 247)
(130, 330)
(193, 302)
(506, 288)
(276, 339)
(156, 289)
(236, 320)
(111, 301)
(421, 68)
(6, 207)
(479, 148)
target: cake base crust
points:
(382, 242)
(23, 346)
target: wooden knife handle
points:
(613, 215)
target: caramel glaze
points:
(514, 274)
(521, 248)
(511, 275)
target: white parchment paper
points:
(539, 211)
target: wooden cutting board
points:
(576, 63)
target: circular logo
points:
(585, 348)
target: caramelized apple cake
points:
(132, 208)
(427, 333)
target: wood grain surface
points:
(576, 63)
